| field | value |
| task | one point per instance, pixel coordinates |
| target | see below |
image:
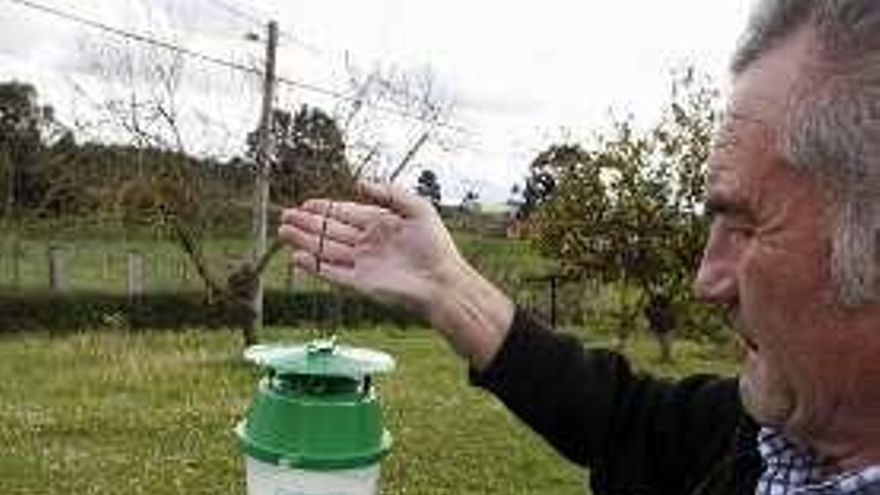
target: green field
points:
(110, 412)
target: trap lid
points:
(320, 358)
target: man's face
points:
(767, 260)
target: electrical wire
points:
(258, 20)
(198, 55)
(238, 12)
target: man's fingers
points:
(357, 215)
(329, 250)
(338, 274)
(396, 199)
(319, 225)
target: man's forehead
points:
(746, 146)
(740, 138)
(742, 120)
(759, 98)
(741, 148)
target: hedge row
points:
(88, 310)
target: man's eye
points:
(738, 227)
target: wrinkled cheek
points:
(773, 311)
(858, 374)
(787, 308)
(782, 289)
(765, 296)
(866, 376)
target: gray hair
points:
(833, 128)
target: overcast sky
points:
(518, 75)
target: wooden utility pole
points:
(263, 170)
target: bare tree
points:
(385, 100)
(142, 108)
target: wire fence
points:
(117, 267)
(69, 266)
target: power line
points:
(231, 64)
(315, 50)
(138, 37)
(284, 34)
(256, 19)
(238, 12)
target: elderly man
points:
(793, 254)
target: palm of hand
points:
(398, 257)
(401, 254)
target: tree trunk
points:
(249, 333)
(665, 342)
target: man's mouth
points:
(748, 342)
(740, 328)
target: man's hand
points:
(396, 249)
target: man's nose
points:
(714, 284)
(716, 281)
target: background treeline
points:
(46, 174)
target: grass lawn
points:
(152, 413)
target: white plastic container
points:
(269, 479)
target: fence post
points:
(161, 274)
(291, 277)
(183, 270)
(135, 274)
(17, 251)
(105, 265)
(57, 275)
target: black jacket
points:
(638, 435)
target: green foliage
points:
(540, 185)
(628, 210)
(20, 118)
(310, 156)
(428, 187)
(138, 187)
(149, 182)
(30, 311)
(22, 122)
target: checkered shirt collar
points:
(792, 470)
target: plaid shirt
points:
(791, 470)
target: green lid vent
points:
(324, 358)
(315, 407)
